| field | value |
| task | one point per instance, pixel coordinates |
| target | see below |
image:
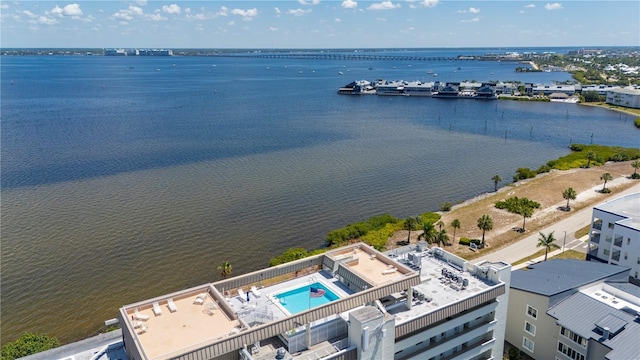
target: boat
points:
(340, 73)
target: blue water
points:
(300, 299)
(121, 182)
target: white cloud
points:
(298, 12)
(271, 28)
(475, 19)
(141, 2)
(429, 3)
(128, 14)
(231, 23)
(277, 10)
(554, 6)
(187, 10)
(46, 21)
(29, 14)
(337, 20)
(247, 15)
(381, 19)
(385, 5)
(156, 17)
(223, 11)
(349, 4)
(57, 11)
(471, 10)
(171, 9)
(68, 10)
(530, 6)
(4, 6)
(312, 2)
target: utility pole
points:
(564, 241)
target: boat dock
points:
(436, 89)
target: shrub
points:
(618, 157)
(637, 122)
(430, 217)
(467, 241)
(445, 206)
(577, 147)
(289, 255)
(605, 191)
(635, 176)
(543, 169)
(27, 344)
(523, 173)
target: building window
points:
(606, 252)
(531, 311)
(573, 337)
(569, 351)
(527, 343)
(628, 241)
(610, 225)
(530, 328)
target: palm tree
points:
(635, 164)
(455, 224)
(410, 224)
(225, 269)
(440, 225)
(496, 179)
(546, 241)
(526, 212)
(590, 157)
(605, 177)
(569, 194)
(429, 233)
(485, 223)
(443, 238)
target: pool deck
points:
(267, 301)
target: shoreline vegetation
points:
(454, 226)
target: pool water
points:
(301, 299)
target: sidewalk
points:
(582, 242)
(527, 246)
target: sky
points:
(318, 24)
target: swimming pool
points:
(306, 297)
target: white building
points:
(624, 97)
(571, 309)
(615, 234)
(349, 303)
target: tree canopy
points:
(27, 344)
(521, 206)
(485, 223)
(569, 194)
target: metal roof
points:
(611, 322)
(559, 275)
(583, 315)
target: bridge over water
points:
(338, 56)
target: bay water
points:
(125, 178)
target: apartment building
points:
(571, 309)
(615, 234)
(353, 302)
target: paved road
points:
(527, 246)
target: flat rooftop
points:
(628, 206)
(442, 282)
(205, 315)
(191, 324)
